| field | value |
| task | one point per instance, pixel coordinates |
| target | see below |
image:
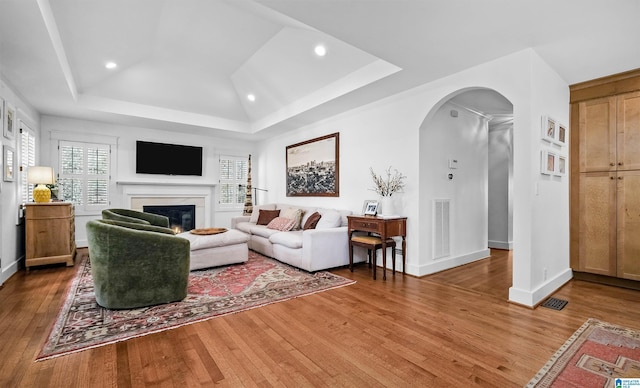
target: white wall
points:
(388, 132)
(11, 227)
(500, 177)
(463, 138)
(124, 165)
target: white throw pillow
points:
(293, 214)
(329, 219)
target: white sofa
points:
(326, 246)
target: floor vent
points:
(555, 303)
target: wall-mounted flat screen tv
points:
(168, 159)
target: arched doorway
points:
(466, 164)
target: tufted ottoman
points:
(214, 250)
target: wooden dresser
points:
(50, 234)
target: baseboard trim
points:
(507, 245)
(10, 270)
(536, 296)
(450, 262)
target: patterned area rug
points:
(82, 324)
(597, 355)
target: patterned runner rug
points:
(597, 355)
(82, 324)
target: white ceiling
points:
(188, 65)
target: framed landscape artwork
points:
(313, 167)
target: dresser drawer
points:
(365, 226)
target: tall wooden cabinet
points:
(605, 179)
(49, 234)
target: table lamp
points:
(40, 176)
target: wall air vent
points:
(441, 229)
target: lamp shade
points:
(41, 176)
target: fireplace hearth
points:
(182, 218)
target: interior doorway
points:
(479, 123)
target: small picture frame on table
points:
(370, 207)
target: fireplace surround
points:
(182, 218)
(137, 195)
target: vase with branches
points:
(385, 185)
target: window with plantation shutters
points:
(83, 174)
(233, 181)
(27, 159)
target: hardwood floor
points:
(454, 328)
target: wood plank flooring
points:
(454, 328)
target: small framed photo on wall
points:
(9, 121)
(548, 162)
(562, 135)
(561, 166)
(548, 129)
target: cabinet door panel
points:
(597, 133)
(629, 225)
(597, 251)
(628, 127)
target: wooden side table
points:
(50, 234)
(385, 227)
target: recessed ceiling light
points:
(111, 65)
(251, 97)
(320, 50)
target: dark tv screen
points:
(168, 159)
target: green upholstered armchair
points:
(136, 265)
(128, 215)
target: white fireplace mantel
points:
(136, 194)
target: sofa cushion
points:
(282, 224)
(291, 239)
(245, 226)
(312, 221)
(265, 216)
(329, 219)
(293, 213)
(256, 211)
(230, 237)
(263, 231)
